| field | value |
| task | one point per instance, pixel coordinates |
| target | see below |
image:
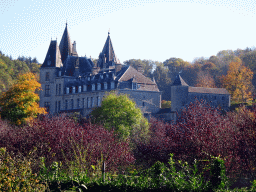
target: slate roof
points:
(65, 45)
(179, 81)
(221, 91)
(53, 57)
(108, 52)
(128, 73)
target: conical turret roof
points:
(65, 45)
(179, 81)
(53, 57)
(107, 55)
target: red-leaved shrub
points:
(56, 138)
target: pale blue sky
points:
(149, 29)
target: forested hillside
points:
(202, 72)
(9, 69)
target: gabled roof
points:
(53, 57)
(107, 54)
(179, 81)
(65, 45)
(221, 91)
(128, 73)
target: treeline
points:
(9, 69)
(202, 72)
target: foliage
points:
(165, 104)
(60, 138)
(238, 82)
(10, 69)
(20, 103)
(120, 113)
(16, 174)
(204, 79)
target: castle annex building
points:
(75, 84)
(182, 94)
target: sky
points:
(148, 29)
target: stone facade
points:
(182, 94)
(75, 84)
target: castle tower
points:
(107, 57)
(50, 69)
(179, 93)
(65, 45)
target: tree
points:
(120, 113)
(165, 104)
(20, 103)
(204, 79)
(238, 82)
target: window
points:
(72, 103)
(105, 85)
(214, 97)
(88, 102)
(73, 89)
(78, 103)
(83, 103)
(134, 86)
(79, 89)
(223, 98)
(93, 87)
(98, 101)
(66, 104)
(59, 106)
(56, 106)
(47, 90)
(143, 104)
(59, 89)
(98, 86)
(112, 85)
(47, 76)
(47, 106)
(92, 101)
(88, 78)
(84, 88)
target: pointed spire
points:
(65, 45)
(53, 57)
(107, 54)
(179, 81)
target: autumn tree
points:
(120, 112)
(238, 82)
(204, 79)
(20, 103)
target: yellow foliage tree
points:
(238, 82)
(20, 103)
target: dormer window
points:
(105, 85)
(93, 87)
(134, 86)
(84, 88)
(112, 85)
(73, 89)
(98, 86)
(79, 89)
(101, 76)
(49, 62)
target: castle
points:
(75, 84)
(71, 83)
